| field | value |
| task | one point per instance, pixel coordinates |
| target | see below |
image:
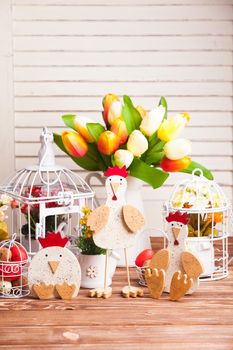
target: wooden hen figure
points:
(174, 270)
(115, 226)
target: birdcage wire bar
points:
(46, 193)
(204, 201)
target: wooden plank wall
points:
(69, 53)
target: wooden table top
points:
(201, 321)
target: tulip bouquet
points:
(147, 143)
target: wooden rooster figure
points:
(115, 226)
(174, 270)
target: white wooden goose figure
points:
(115, 226)
(175, 270)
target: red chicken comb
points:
(116, 171)
(178, 217)
(53, 239)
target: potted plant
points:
(92, 258)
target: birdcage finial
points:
(46, 154)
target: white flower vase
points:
(93, 268)
(133, 197)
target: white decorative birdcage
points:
(13, 269)
(46, 197)
(209, 213)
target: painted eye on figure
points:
(60, 255)
(46, 255)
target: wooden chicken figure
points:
(54, 271)
(174, 270)
(115, 226)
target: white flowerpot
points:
(93, 267)
(204, 250)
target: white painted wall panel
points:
(68, 53)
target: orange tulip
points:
(108, 142)
(174, 165)
(74, 143)
(107, 101)
(119, 128)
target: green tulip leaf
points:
(91, 160)
(154, 158)
(193, 165)
(95, 129)
(153, 176)
(68, 119)
(131, 116)
(163, 102)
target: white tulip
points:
(151, 122)
(177, 149)
(137, 143)
(123, 158)
(114, 111)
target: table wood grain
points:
(201, 321)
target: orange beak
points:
(53, 265)
(175, 231)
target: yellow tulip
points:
(108, 142)
(172, 127)
(123, 157)
(177, 149)
(80, 125)
(74, 143)
(142, 111)
(151, 122)
(119, 128)
(114, 111)
(107, 101)
(137, 143)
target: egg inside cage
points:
(46, 198)
(209, 214)
(13, 269)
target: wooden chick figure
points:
(174, 270)
(115, 226)
(54, 271)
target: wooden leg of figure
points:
(105, 292)
(130, 291)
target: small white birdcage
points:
(46, 197)
(209, 213)
(13, 269)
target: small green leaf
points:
(153, 176)
(163, 102)
(91, 160)
(192, 166)
(95, 129)
(131, 116)
(154, 158)
(68, 119)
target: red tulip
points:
(107, 101)
(74, 143)
(119, 128)
(174, 165)
(108, 142)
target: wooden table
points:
(201, 321)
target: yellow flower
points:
(86, 210)
(172, 127)
(83, 220)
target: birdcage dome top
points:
(46, 181)
(196, 193)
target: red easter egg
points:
(10, 272)
(143, 256)
(18, 253)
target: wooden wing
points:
(98, 219)
(192, 266)
(133, 219)
(161, 260)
